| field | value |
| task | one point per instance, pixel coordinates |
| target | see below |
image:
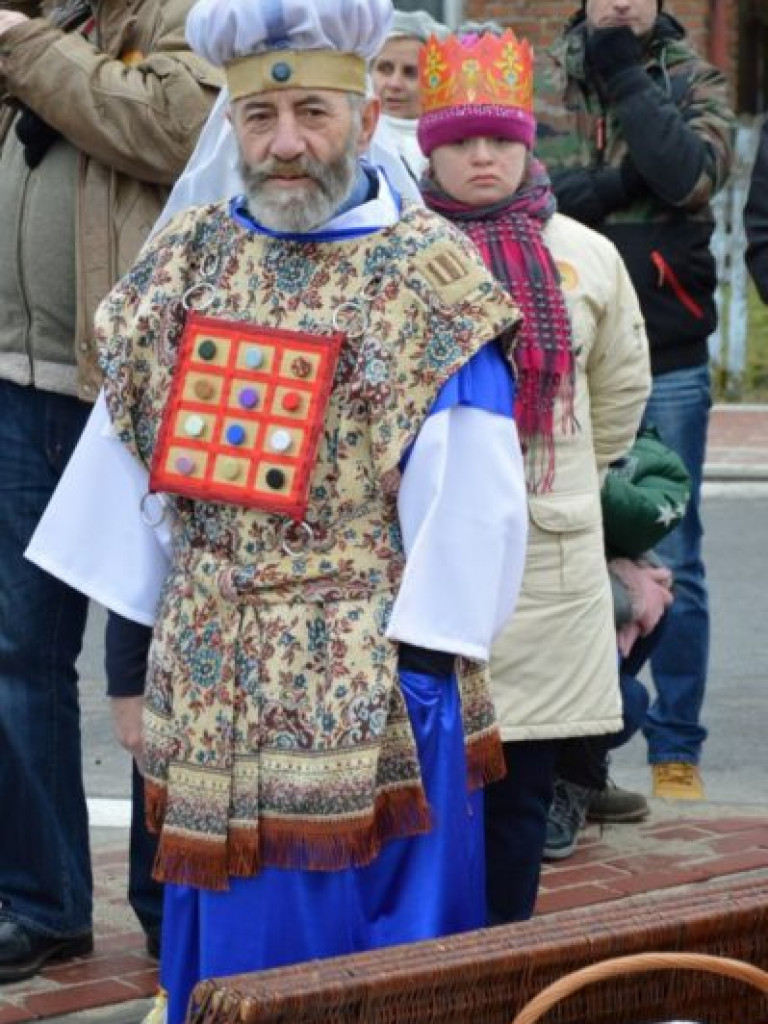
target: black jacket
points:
(639, 157)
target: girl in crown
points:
(583, 378)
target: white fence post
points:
(728, 345)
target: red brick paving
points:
(635, 859)
(738, 436)
(675, 848)
(118, 970)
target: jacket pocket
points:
(565, 513)
(565, 555)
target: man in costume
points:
(100, 105)
(317, 379)
(636, 132)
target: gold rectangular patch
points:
(450, 273)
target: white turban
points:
(224, 30)
(417, 25)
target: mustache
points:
(301, 167)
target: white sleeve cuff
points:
(463, 513)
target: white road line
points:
(109, 813)
(735, 489)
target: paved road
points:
(736, 554)
(736, 759)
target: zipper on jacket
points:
(667, 276)
(20, 235)
(600, 130)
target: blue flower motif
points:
(318, 635)
(443, 349)
(376, 371)
(206, 667)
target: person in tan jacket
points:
(100, 105)
(583, 378)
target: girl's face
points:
(481, 170)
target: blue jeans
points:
(679, 407)
(584, 759)
(45, 869)
(45, 863)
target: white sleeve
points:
(92, 534)
(463, 513)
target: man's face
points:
(395, 74)
(298, 153)
(639, 15)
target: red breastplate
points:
(244, 415)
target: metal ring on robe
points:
(344, 318)
(204, 289)
(285, 537)
(146, 517)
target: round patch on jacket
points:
(132, 57)
(569, 275)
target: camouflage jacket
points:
(640, 162)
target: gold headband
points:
(292, 69)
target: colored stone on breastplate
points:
(275, 479)
(235, 433)
(204, 389)
(280, 441)
(207, 350)
(301, 367)
(248, 398)
(194, 426)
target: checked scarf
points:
(509, 236)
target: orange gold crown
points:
(477, 70)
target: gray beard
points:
(299, 210)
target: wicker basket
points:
(488, 976)
(622, 965)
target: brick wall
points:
(542, 20)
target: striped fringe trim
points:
(208, 862)
(485, 759)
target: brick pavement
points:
(119, 971)
(738, 442)
(679, 845)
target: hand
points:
(657, 597)
(625, 638)
(650, 591)
(612, 50)
(127, 722)
(631, 179)
(8, 19)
